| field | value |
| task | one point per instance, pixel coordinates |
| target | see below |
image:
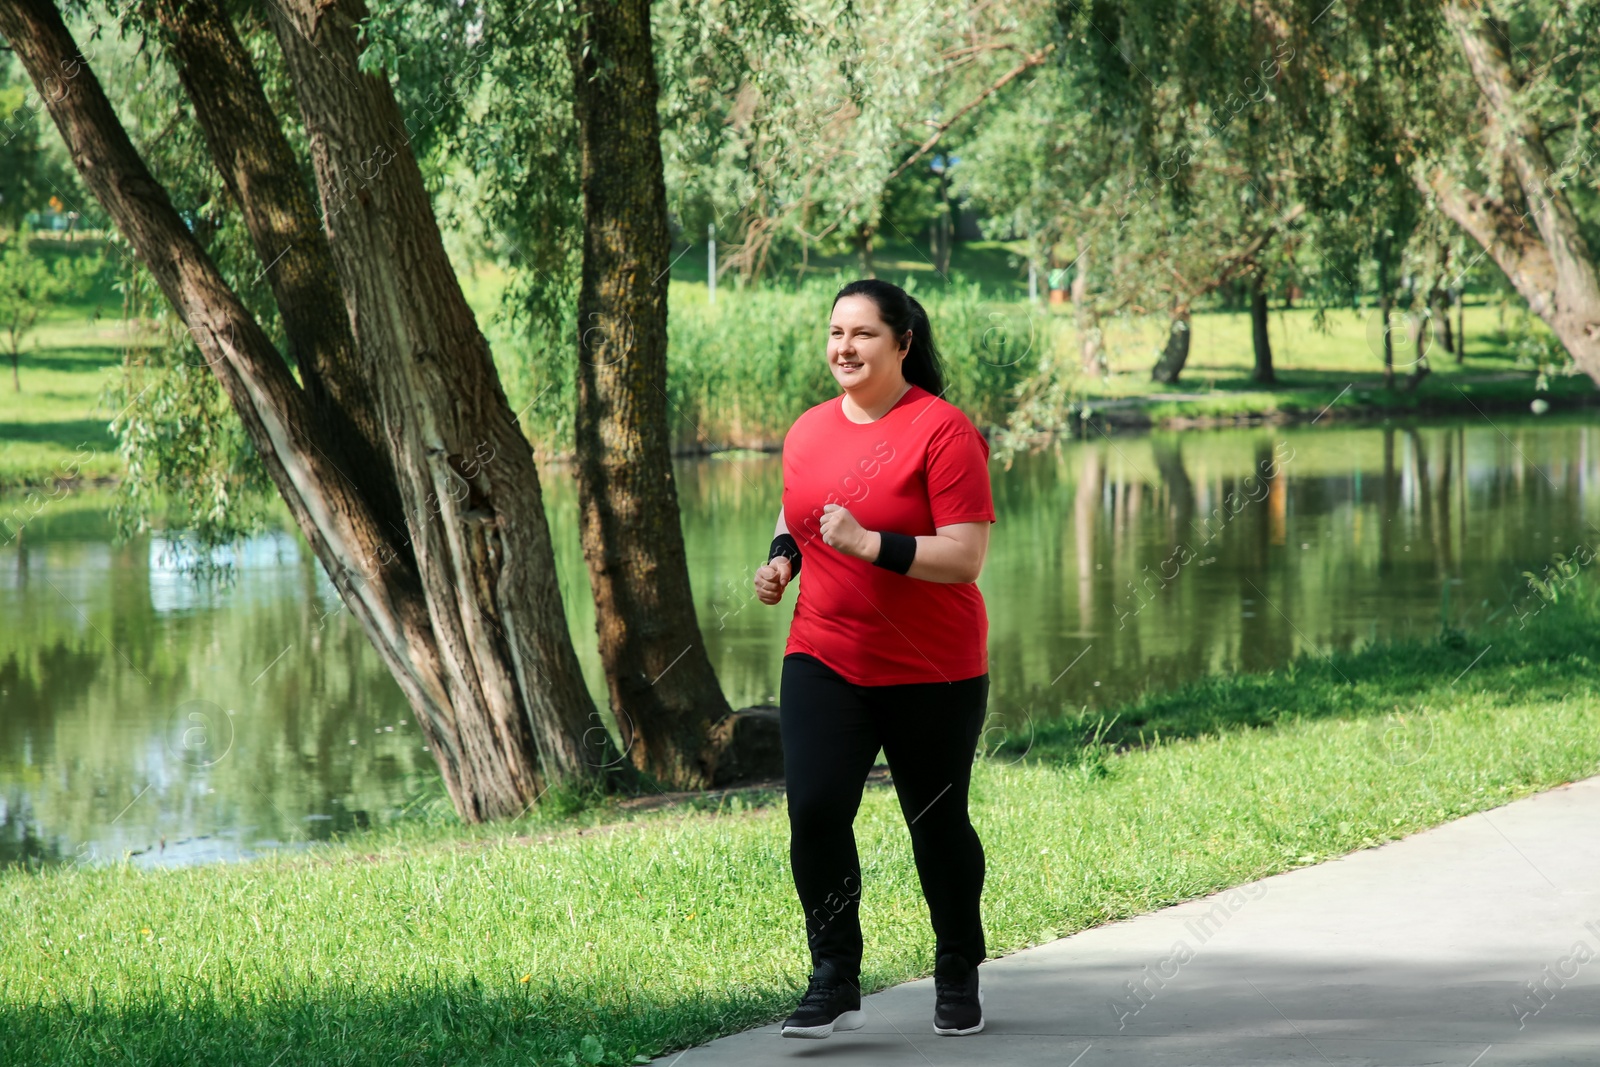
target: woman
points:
(886, 507)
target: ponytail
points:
(900, 311)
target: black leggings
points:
(832, 730)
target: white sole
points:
(848, 1020)
(943, 1032)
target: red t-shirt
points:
(922, 465)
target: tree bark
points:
(1176, 352)
(664, 692)
(1260, 340)
(337, 522)
(1549, 263)
(474, 509)
(1188, 289)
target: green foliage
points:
(1532, 346)
(34, 167)
(22, 187)
(1141, 158)
(190, 465)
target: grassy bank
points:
(742, 369)
(421, 944)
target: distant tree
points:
(29, 283)
(825, 143)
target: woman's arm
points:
(776, 573)
(955, 553)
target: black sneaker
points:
(958, 1007)
(832, 1002)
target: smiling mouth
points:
(848, 367)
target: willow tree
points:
(799, 125)
(395, 450)
(1520, 177)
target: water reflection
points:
(146, 715)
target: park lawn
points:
(429, 945)
(57, 425)
(1329, 369)
(1334, 367)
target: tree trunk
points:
(864, 250)
(488, 761)
(262, 174)
(1420, 368)
(1259, 337)
(1550, 264)
(941, 253)
(1245, 258)
(664, 692)
(475, 517)
(1088, 318)
(1176, 353)
(1461, 325)
(1439, 312)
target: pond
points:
(146, 715)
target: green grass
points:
(56, 427)
(422, 944)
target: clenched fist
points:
(840, 530)
(772, 578)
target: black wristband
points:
(897, 552)
(784, 545)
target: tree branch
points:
(927, 145)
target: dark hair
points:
(901, 312)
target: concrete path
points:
(1422, 951)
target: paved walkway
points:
(1423, 951)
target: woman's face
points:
(863, 352)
